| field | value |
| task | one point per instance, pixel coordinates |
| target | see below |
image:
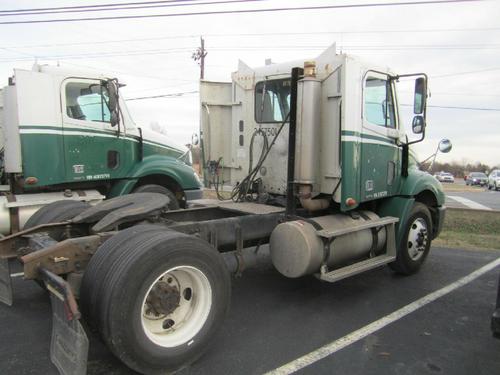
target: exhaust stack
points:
(307, 137)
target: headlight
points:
(197, 178)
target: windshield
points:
(478, 175)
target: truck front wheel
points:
(152, 188)
(161, 298)
(416, 241)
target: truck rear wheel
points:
(56, 212)
(416, 241)
(53, 213)
(159, 298)
(152, 188)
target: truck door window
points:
(379, 104)
(272, 100)
(87, 101)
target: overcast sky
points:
(456, 44)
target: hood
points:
(153, 136)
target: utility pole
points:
(199, 56)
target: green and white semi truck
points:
(61, 141)
(323, 185)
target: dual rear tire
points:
(56, 212)
(152, 188)
(156, 296)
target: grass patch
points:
(469, 241)
(455, 188)
(470, 229)
(472, 221)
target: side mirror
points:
(418, 124)
(445, 146)
(93, 89)
(195, 140)
(420, 96)
(113, 104)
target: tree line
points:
(458, 169)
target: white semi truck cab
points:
(322, 185)
(68, 135)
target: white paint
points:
(18, 274)
(354, 138)
(469, 203)
(377, 325)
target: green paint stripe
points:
(92, 131)
(367, 136)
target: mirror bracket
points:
(112, 86)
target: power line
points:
(440, 93)
(104, 54)
(464, 73)
(173, 95)
(456, 107)
(466, 108)
(227, 35)
(243, 11)
(140, 52)
(382, 47)
(469, 94)
(108, 5)
(177, 3)
(181, 94)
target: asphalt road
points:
(475, 199)
(274, 320)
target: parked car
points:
(494, 180)
(444, 177)
(476, 178)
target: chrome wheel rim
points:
(176, 306)
(417, 239)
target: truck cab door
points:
(93, 149)
(380, 154)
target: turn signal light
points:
(349, 202)
(31, 180)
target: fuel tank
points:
(297, 250)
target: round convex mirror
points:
(445, 146)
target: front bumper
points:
(480, 182)
(441, 214)
(193, 194)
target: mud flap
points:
(69, 343)
(5, 282)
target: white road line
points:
(469, 203)
(18, 274)
(361, 333)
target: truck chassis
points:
(235, 230)
(156, 283)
